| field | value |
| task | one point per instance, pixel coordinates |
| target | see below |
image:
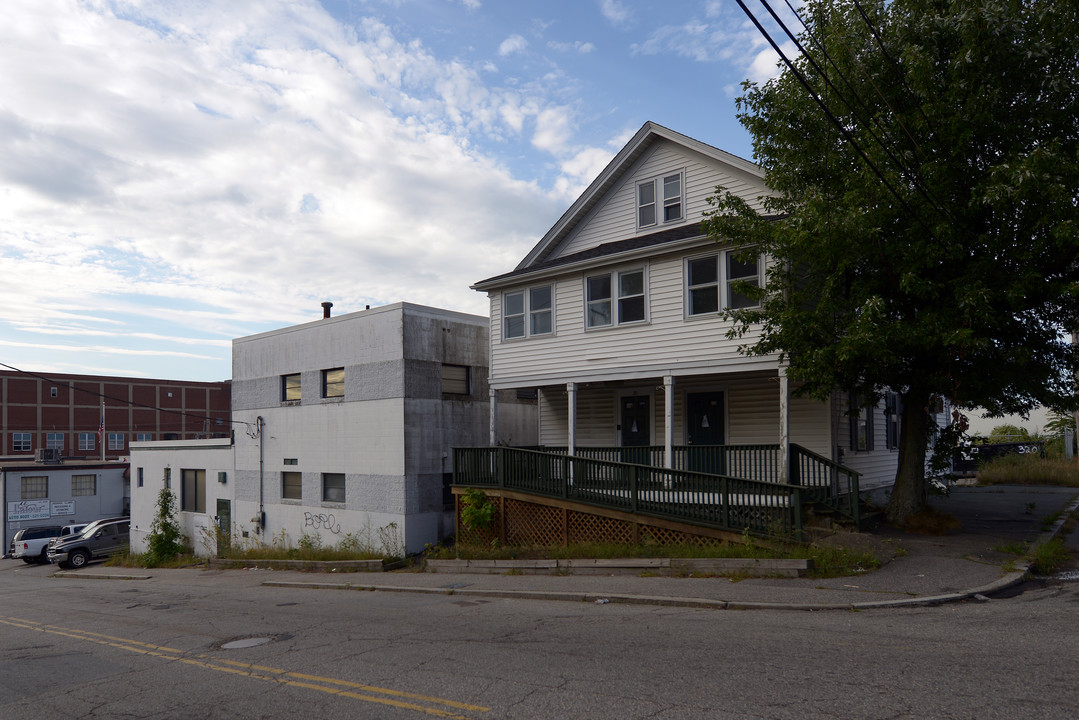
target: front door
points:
(224, 525)
(704, 428)
(636, 433)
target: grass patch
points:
(142, 560)
(1011, 548)
(931, 521)
(1029, 470)
(828, 561)
(1048, 557)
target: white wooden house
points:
(614, 317)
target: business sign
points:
(28, 510)
(65, 507)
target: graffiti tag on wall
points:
(322, 522)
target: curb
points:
(669, 601)
(68, 575)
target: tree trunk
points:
(908, 493)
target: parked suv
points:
(97, 540)
(30, 544)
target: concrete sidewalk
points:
(926, 570)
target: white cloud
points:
(615, 11)
(576, 46)
(512, 44)
(204, 173)
(553, 127)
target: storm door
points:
(636, 433)
(704, 432)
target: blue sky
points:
(177, 174)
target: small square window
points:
(54, 441)
(86, 441)
(116, 441)
(54, 391)
(333, 383)
(528, 312)
(34, 488)
(21, 442)
(455, 379)
(291, 486)
(290, 387)
(333, 487)
(83, 485)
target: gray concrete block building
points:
(345, 425)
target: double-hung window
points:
(54, 441)
(741, 269)
(660, 201)
(891, 420)
(528, 312)
(615, 298)
(20, 442)
(861, 424)
(116, 441)
(711, 282)
(86, 441)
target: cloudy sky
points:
(177, 174)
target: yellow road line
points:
(260, 672)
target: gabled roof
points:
(639, 144)
(690, 230)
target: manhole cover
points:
(245, 643)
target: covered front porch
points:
(727, 488)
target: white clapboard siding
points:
(668, 341)
(615, 218)
(877, 466)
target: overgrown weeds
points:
(828, 561)
(1048, 557)
(1029, 470)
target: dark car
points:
(99, 539)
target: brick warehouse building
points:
(60, 414)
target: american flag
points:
(101, 426)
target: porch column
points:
(784, 426)
(571, 427)
(668, 421)
(494, 417)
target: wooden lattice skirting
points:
(528, 520)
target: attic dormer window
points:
(660, 200)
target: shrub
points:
(165, 540)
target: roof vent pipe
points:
(326, 309)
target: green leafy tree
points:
(923, 224)
(1008, 433)
(165, 539)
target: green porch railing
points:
(719, 501)
(827, 482)
(755, 462)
